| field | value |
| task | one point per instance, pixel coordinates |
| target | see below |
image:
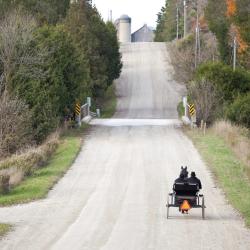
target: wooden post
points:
(205, 127)
(202, 124)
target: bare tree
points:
(16, 34)
(209, 50)
(205, 98)
(182, 55)
(182, 58)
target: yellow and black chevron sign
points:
(192, 109)
(78, 109)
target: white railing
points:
(86, 112)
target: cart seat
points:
(186, 189)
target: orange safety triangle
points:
(185, 205)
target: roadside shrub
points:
(205, 97)
(239, 111)
(228, 82)
(181, 109)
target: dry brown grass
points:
(23, 164)
(238, 138)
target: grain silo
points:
(124, 29)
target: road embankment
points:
(41, 180)
(230, 172)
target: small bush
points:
(4, 184)
(205, 97)
(107, 103)
(181, 109)
(239, 111)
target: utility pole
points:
(235, 53)
(196, 47)
(185, 18)
(197, 42)
(177, 21)
(111, 16)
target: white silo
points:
(124, 29)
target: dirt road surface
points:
(114, 195)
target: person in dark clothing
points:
(194, 180)
(181, 179)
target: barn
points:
(144, 34)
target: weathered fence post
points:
(202, 124)
(98, 113)
(89, 104)
(205, 127)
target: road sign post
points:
(192, 110)
(192, 113)
(78, 113)
(185, 105)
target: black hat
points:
(193, 174)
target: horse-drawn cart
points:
(186, 196)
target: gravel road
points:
(114, 195)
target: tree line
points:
(204, 61)
(53, 53)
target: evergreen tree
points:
(52, 62)
(160, 25)
(219, 25)
(166, 28)
(49, 11)
(98, 43)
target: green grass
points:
(229, 171)
(4, 229)
(42, 180)
(109, 103)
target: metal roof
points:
(125, 17)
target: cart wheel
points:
(167, 210)
(203, 208)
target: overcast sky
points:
(141, 11)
